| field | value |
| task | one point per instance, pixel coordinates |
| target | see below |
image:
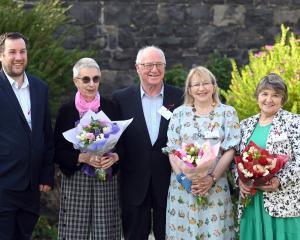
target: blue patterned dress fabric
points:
(186, 219)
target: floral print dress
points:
(184, 218)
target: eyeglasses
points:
(87, 79)
(198, 85)
(150, 66)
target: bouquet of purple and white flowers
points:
(96, 134)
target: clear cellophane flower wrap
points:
(256, 166)
(195, 160)
(96, 134)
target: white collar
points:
(13, 82)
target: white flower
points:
(205, 146)
(245, 155)
(99, 137)
(188, 158)
(248, 174)
(106, 129)
(245, 172)
(241, 166)
(198, 160)
(197, 145)
(266, 172)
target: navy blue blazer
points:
(26, 156)
(140, 161)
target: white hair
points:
(141, 51)
(84, 63)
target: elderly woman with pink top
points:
(89, 208)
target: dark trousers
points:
(137, 220)
(19, 212)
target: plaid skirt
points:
(89, 209)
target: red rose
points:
(263, 161)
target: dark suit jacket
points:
(26, 156)
(140, 162)
(65, 154)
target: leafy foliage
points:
(283, 58)
(220, 66)
(44, 230)
(46, 26)
(176, 76)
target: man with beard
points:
(26, 141)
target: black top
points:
(65, 154)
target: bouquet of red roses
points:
(256, 166)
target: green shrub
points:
(46, 26)
(217, 63)
(44, 231)
(220, 66)
(283, 58)
(176, 76)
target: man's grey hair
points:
(141, 51)
(84, 63)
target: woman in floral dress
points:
(202, 117)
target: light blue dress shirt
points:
(151, 105)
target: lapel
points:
(12, 99)
(139, 114)
(169, 103)
(247, 128)
(33, 102)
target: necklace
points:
(211, 116)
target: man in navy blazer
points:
(144, 169)
(26, 141)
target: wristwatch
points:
(213, 178)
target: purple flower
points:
(97, 132)
(88, 170)
(114, 128)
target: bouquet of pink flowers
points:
(195, 160)
(96, 134)
(256, 166)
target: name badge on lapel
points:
(167, 114)
(211, 134)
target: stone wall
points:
(187, 30)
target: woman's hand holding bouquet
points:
(256, 168)
(104, 162)
(192, 163)
(95, 136)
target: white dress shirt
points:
(23, 96)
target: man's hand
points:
(45, 188)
